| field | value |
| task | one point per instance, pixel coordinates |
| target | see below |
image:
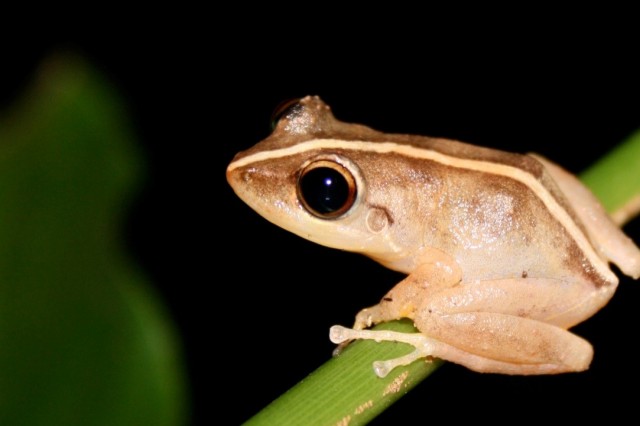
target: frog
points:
(503, 253)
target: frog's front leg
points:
(404, 299)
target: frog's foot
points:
(368, 317)
(424, 346)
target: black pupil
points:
(324, 189)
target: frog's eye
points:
(326, 189)
(284, 108)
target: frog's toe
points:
(339, 334)
(365, 318)
(423, 345)
(382, 368)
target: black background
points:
(254, 304)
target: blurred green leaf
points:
(83, 338)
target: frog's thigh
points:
(499, 343)
(512, 326)
(555, 302)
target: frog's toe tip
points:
(338, 334)
(381, 368)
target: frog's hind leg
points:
(513, 326)
(610, 242)
(627, 211)
(510, 326)
(507, 344)
(571, 352)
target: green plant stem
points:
(615, 177)
(345, 390)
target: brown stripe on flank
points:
(521, 168)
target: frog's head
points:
(317, 177)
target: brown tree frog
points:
(503, 252)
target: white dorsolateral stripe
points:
(420, 153)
